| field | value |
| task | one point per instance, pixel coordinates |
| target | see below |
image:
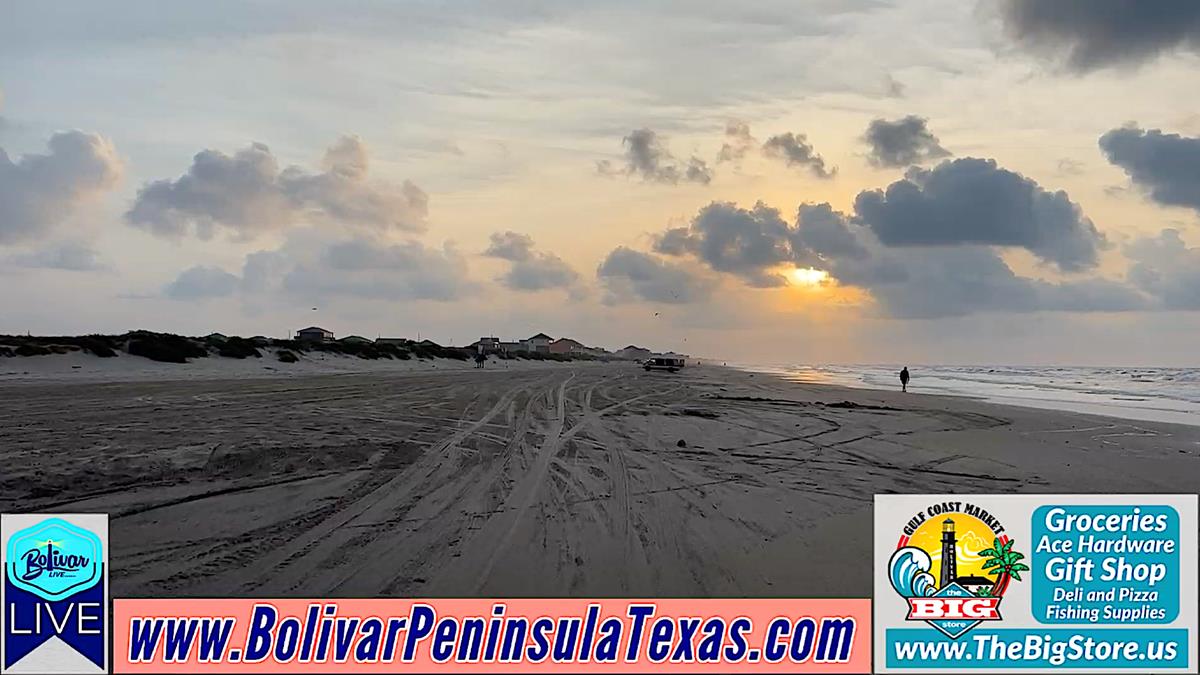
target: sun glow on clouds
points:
(814, 290)
(807, 276)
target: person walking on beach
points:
(904, 378)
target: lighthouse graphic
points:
(949, 554)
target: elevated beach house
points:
(538, 343)
(314, 334)
(568, 346)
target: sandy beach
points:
(571, 479)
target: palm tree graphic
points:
(1002, 561)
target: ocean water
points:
(1156, 394)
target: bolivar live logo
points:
(968, 545)
(55, 595)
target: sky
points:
(769, 181)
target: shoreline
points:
(86, 368)
(1100, 409)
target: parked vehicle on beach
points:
(670, 364)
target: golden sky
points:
(231, 168)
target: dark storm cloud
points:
(795, 150)
(39, 191)
(248, 193)
(1091, 34)
(630, 275)
(69, 255)
(531, 270)
(1165, 166)
(902, 142)
(202, 282)
(973, 201)
(1166, 268)
(647, 156)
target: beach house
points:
(634, 353)
(538, 343)
(314, 334)
(567, 346)
(511, 347)
(485, 345)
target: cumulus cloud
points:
(248, 193)
(1091, 34)
(646, 155)
(907, 281)
(202, 282)
(510, 245)
(311, 264)
(938, 282)
(748, 243)
(826, 234)
(1165, 166)
(630, 275)
(1166, 268)
(756, 244)
(262, 269)
(795, 150)
(366, 268)
(902, 142)
(531, 270)
(974, 201)
(68, 255)
(738, 142)
(39, 191)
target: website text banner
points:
(492, 636)
(1035, 583)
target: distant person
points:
(904, 378)
(480, 359)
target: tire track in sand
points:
(494, 542)
(282, 567)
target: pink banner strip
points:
(492, 636)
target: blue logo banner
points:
(55, 587)
(79, 621)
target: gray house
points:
(314, 334)
(539, 343)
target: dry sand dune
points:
(580, 480)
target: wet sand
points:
(596, 479)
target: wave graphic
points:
(908, 571)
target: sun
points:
(807, 276)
